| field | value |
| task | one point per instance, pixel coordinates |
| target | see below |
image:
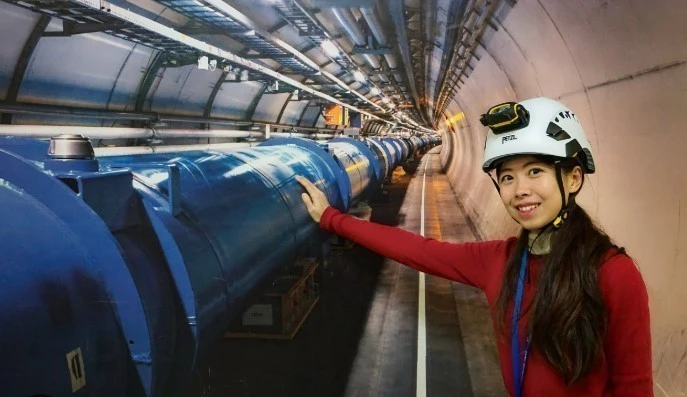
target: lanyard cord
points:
(518, 364)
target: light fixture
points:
(359, 76)
(330, 48)
(203, 63)
(374, 91)
(244, 75)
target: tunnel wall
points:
(621, 67)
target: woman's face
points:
(530, 192)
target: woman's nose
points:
(522, 189)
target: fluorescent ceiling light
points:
(359, 76)
(330, 48)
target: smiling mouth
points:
(527, 209)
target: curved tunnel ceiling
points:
(620, 65)
(384, 59)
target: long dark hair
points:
(568, 317)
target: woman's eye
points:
(535, 171)
(506, 178)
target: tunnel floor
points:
(361, 337)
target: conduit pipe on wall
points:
(301, 135)
(350, 25)
(129, 150)
(69, 111)
(290, 134)
(378, 33)
(48, 131)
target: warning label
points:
(77, 372)
(258, 315)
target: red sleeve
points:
(469, 263)
(628, 339)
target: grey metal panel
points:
(233, 99)
(320, 121)
(16, 23)
(38, 119)
(292, 112)
(309, 115)
(215, 90)
(23, 63)
(269, 107)
(77, 71)
(286, 103)
(184, 90)
(151, 77)
(124, 92)
(254, 103)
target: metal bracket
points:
(369, 50)
(70, 28)
(268, 56)
(192, 30)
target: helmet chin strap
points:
(567, 205)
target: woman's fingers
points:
(307, 200)
(309, 186)
(315, 200)
(314, 192)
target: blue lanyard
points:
(518, 364)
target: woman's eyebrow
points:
(524, 166)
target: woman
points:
(580, 302)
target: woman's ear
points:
(574, 179)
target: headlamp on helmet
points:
(506, 117)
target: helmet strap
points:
(496, 185)
(565, 205)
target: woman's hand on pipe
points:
(315, 200)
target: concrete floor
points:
(361, 338)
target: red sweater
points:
(625, 370)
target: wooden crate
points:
(280, 312)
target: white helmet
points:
(538, 126)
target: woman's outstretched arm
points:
(469, 263)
